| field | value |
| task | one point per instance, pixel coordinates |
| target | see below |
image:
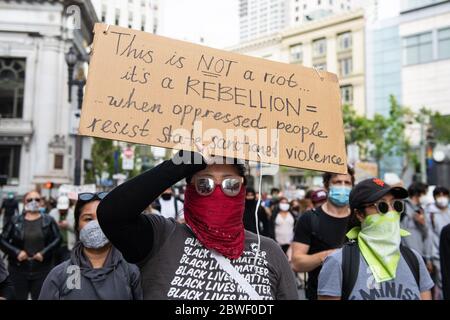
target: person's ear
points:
(359, 215)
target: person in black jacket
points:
(249, 215)
(6, 286)
(29, 240)
(444, 252)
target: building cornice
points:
(323, 23)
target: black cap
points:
(370, 190)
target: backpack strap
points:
(432, 220)
(412, 261)
(314, 223)
(315, 227)
(350, 268)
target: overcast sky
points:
(217, 21)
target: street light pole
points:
(78, 139)
(423, 148)
(71, 59)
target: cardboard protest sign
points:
(148, 89)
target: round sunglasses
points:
(231, 186)
(383, 206)
(89, 196)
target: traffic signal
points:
(48, 185)
(430, 134)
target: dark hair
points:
(283, 198)
(77, 213)
(309, 193)
(417, 188)
(26, 194)
(353, 221)
(250, 190)
(326, 177)
(239, 166)
(439, 190)
(274, 190)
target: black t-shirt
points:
(34, 241)
(323, 233)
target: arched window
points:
(12, 80)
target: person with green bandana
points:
(374, 265)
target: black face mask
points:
(166, 196)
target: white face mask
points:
(32, 206)
(442, 202)
(423, 200)
(284, 206)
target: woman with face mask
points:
(96, 270)
(212, 256)
(375, 266)
(30, 240)
(283, 222)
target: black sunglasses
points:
(383, 206)
(89, 196)
(33, 199)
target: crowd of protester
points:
(342, 240)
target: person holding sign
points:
(209, 257)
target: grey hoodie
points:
(420, 238)
(437, 219)
(75, 279)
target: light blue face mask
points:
(339, 195)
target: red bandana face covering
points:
(216, 220)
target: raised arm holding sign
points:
(152, 90)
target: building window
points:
(116, 20)
(319, 48)
(345, 67)
(418, 48)
(143, 23)
(347, 95)
(344, 41)
(10, 161)
(130, 20)
(104, 9)
(58, 162)
(296, 53)
(444, 43)
(12, 80)
(296, 19)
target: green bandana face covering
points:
(379, 242)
